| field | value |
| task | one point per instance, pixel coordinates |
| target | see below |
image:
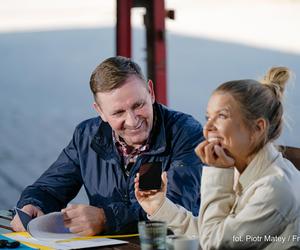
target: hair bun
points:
(276, 79)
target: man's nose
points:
(131, 119)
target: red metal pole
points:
(159, 50)
(124, 28)
(156, 47)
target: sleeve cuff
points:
(166, 212)
(33, 202)
(110, 220)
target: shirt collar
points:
(124, 149)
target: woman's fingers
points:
(224, 158)
(164, 181)
(211, 153)
(200, 150)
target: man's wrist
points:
(103, 219)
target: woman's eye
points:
(222, 116)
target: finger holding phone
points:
(150, 198)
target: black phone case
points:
(150, 176)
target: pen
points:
(6, 227)
(5, 218)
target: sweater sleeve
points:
(178, 219)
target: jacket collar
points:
(263, 159)
(102, 143)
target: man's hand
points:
(212, 154)
(84, 220)
(31, 210)
(151, 200)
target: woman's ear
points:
(258, 130)
(260, 127)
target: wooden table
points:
(134, 243)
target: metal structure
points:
(154, 20)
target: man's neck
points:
(135, 146)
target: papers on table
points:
(74, 243)
(49, 231)
(49, 227)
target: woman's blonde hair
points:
(261, 99)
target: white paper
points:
(49, 227)
(49, 230)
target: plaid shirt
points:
(128, 153)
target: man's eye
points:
(139, 105)
(119, 113)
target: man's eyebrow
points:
(138, 102)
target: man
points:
(106, 153)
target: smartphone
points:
(150, 176)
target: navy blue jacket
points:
(91, 159)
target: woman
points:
(249, 191)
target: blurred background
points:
(49, 48)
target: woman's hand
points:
(151, 200)
(211, 153)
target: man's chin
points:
(136, 140)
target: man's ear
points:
(151, 90)
(99, 111)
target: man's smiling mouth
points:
(130, 130)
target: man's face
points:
(128, 110)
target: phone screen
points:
(150, 176)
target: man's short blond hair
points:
(113, 72)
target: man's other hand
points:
(84, 220)
(31, 210)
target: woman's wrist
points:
(156, 208)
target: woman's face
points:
(225, 124)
